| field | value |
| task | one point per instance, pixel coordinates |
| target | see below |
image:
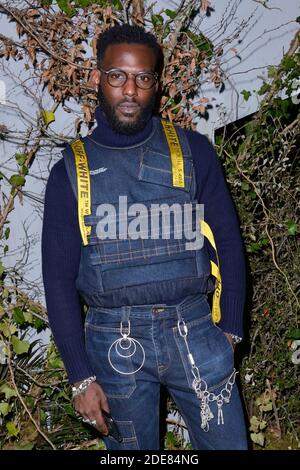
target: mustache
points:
(129, 101)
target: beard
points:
(127, 128)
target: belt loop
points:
(125, 313)
(179, 311)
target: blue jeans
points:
(131, 372)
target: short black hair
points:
(130, 34)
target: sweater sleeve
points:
(220, 214)
(61, 248)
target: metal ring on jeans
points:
(115, 344)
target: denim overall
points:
(142, 293)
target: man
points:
(149, 321)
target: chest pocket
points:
(156, 168)
(150, 244)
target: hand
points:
(89, 404)
(230, 339)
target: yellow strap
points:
(215, 271)
(178, 180)
(83, 187)
(176, 153)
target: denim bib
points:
(151, 268)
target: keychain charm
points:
(125, 348)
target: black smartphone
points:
(112, 427)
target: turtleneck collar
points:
(105, 135)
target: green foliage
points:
(294, 333)
(261, 159)
(292, 228)
(70, 8)
(4, 408)
(170, 13)
(17, 180)
(7, 391)
(21, 158)
(246, 94)
(12, 429)
(19, 346)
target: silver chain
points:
(201, 388)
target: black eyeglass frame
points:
(155, 75)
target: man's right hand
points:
(89, 404)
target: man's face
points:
(127, 107)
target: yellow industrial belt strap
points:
(215, 271)
(83, 187)
(178, 181)
(176, 153)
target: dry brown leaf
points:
(71, 72)
(32, 55)
(31, 13)
(77, 125)
(138, 11)
(94, 46)
(193, 65)
(204, 5)
(87, 112)
(199, 108)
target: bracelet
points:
(235, 339)
(83, 386)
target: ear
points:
(94, 80)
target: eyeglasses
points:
(118, 78)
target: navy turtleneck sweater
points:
(61, 245)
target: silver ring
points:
(91, 422)
(115, 345)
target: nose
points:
(130, 88)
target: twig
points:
(40, 384)
(274, 408)
(29, 160)
(176, 423)
(22, 401)
(43, 46)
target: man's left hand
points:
(230, 339)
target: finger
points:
(102, 424)
(105, 407)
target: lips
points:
(128, 108)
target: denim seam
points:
(102, 328)
(162, 369)
(197, 321)
(154, 347)
(126, 396)
(220, 383)
(132, 428)
(150, 150)
(183, 306)
(177, 339)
